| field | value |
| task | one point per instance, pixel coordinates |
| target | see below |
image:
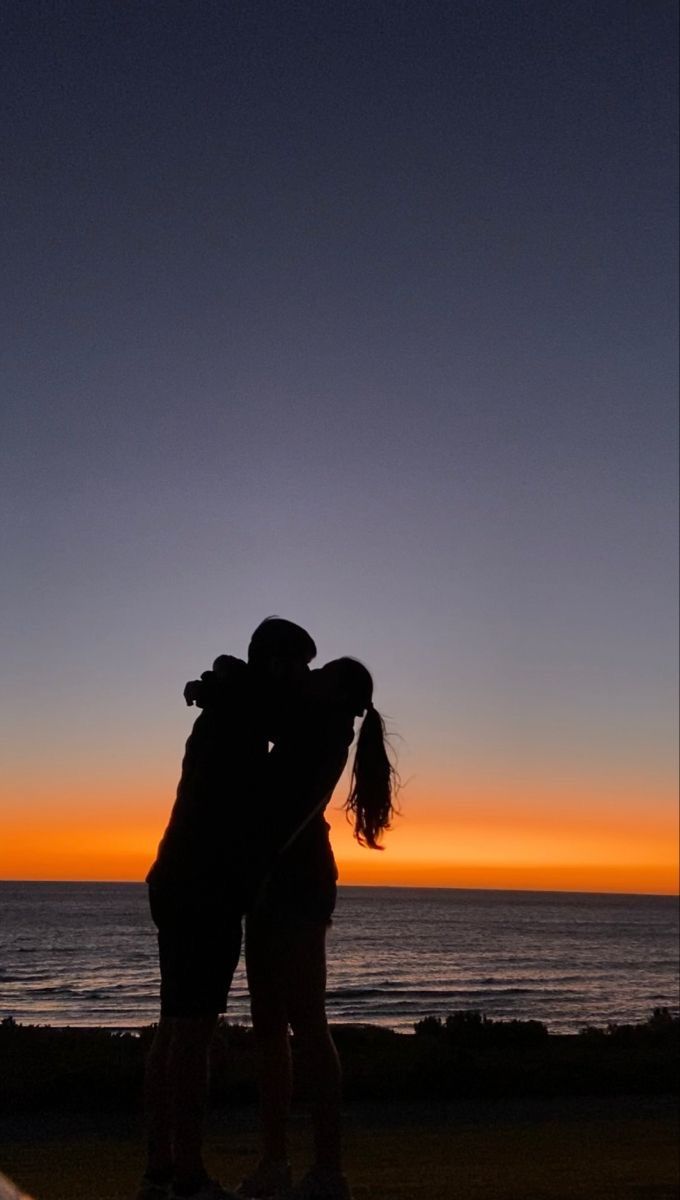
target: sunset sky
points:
(362, 314)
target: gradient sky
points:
(364, 314)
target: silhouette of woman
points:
(286, 929)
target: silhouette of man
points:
(207, 869)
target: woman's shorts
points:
(302, 884)
(199, 944)
(301, 898)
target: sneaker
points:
(210, 1190)
(321, 1184)
(152, 1191)
(269, 1181)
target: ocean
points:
(84, 954)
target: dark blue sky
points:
(363, 313)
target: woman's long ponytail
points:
(373, 782)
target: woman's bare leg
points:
(275, 1075)
(305, 987)
(270, 1026)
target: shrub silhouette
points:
(473, 1028)
(465, 1055)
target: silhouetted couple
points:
(247, 837)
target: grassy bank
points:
(44, 1068)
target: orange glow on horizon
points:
(487, 841)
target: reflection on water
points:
(85, 954)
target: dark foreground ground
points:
(465, 1110)
(616, 1148)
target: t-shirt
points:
(304, 767)
(210, 846)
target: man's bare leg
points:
(156, 1103)
(188, 1094)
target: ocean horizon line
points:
(397, 887)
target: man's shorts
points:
(199, 944)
